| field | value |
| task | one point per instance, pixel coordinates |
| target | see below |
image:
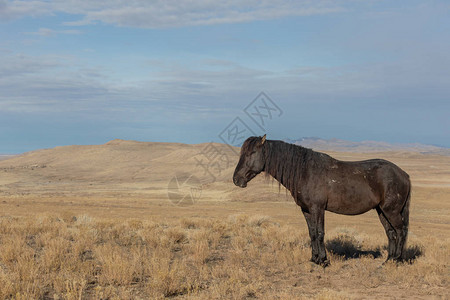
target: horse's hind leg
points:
(400, 238)
(395, 207)
(396, 226)
(404, 232)
(390, 232)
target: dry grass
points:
(112, 233)
(241, 257)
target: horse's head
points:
(251, 162)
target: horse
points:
(320, 183)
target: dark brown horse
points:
(319, 182)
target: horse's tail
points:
(405, 214)
(405, 210)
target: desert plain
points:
(99, 222)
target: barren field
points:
(95, 222)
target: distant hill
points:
(117, 166)
(365, 146)
(6, 156)
(121, 168)
(115, 161)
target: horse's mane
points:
(287, 163)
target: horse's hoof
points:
(325, 263)
(399, 259)
(388, 260)
(315, 265)
(396, 261)
(321, 262)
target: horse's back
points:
(358, 186)
(382, 175)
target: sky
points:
(86, 72)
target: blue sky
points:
(86, 72)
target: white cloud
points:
(169, 13)
(63, 84)
(52, 32)
(13, 66)
(47, 83)
(10, 10)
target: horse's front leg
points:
(315, 218)
(320, 217)
(312, 235)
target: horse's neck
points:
(278, 166)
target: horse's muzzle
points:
(240, 182)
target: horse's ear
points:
(263, 140)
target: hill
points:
(365, 146)
(6, 156)
(120, 168)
